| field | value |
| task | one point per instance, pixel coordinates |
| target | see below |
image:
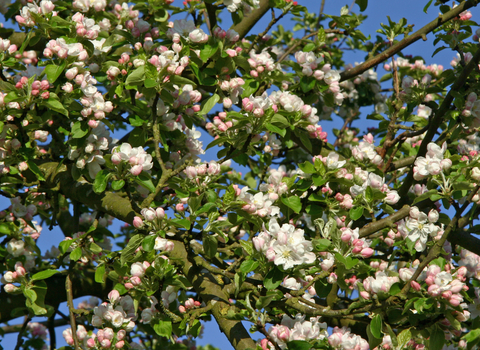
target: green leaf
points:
(248, 266)
(208, 51)
(437, 339)
(262, 302)
(54, 104)
(362, 4)
(150, 83)
(76, 254)
(137, 137)
(323, 288)
(137, 76)
(299, 345)
(309, 47)
(322, 37)
(205, 208)
(64, 245)
(250, 87)
(472, 336)
(95, 248)
(145, 180)
(356, 212)
(209, 104)
(100, 273)
(183, 223)
(101, 181)
(118, 185)
(53, 71)
(307, 167)
(403, 338)
(79, 130)
(43, 275)
(307, 83)
(293, 203)
(304, 138)
(35, 169)
(280, 119)
(376, 326)
(148, 243)
(179, 80)
(163, 328)
(276, 129)
(210, 245)
(273, 278)
(322, 244)
(131, 247)
(427, 6)
(247, 246)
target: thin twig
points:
(294, 46)
(71, 308)
(22, 330)
(320, 14)
(270, 25)
(156, 134)
(419, 34)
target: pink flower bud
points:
(367, 252)
(137, 222)
(113, 296)
(365, 295)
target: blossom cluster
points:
(91, 155)
(136, 157)
(433, 163)
(297, 328)
(114, 320)
(258, 204)
(284, 245)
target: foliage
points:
(362, 243)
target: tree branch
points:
(439, 114)
(248, 22)
(211, 292)
(419, 34)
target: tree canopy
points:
(352, 240)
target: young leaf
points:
(43, 275)
(163, 328)
(210, 245)
(53, 71)
(209, 104)
(293, 203)
(76, 254)
(131, 247)
(273, 278)
(101, 181)
(100, 273)
(362, 4)
(376, 326)
(248, 266)
(356, 212)
(299, 345)
(148, 243)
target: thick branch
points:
(419, 34)
(248, 22)
(58, 176)
(210, 291)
